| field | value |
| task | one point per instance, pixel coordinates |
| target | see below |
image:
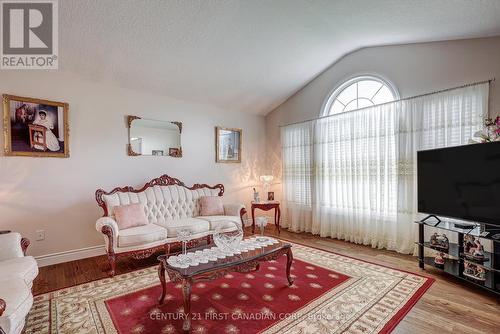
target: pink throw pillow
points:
(211, 206)
(131, 215)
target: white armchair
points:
(17, 272)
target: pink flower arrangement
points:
(490, 133)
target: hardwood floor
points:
(448, 306)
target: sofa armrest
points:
(11, 246)
(236, 210)
(107, 221)
(233, 209)
(108, 227)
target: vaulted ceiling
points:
(246, 55)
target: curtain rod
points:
(403, 99)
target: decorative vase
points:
(261, 222)
(184, 235)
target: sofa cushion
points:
(211, 206)
(141, 235)
(224, 221)
(131, 215)
(19, 300)
(24, 268)
(196, 226)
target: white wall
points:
(57, 195)
(413, 68)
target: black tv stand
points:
(455, 260)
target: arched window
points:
(360, 92)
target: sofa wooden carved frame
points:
(163, 180)
(25, 242)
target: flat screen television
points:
(461, 182)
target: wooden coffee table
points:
(242, 263)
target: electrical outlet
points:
(40, 235)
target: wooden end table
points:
(242, 263)
(266, 206)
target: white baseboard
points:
(72, 255)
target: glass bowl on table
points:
(228, 236)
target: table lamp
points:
(266, 180)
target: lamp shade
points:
(266, 178)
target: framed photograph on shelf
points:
(35, 128)
(227, 145)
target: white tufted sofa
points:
(170, 206)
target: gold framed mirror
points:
(151, 137)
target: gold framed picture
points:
(35, 128)
(227, 145)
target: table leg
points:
(186, 293)
(289, 260)
(161, 274)
(275, 214)
(253, 220)
(279, 217)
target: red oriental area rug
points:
(236, 303)
(331, 294)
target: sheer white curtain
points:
(352, 176)
(356, 179)
(297, 150)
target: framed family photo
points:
(228, 145)
(35, 128)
